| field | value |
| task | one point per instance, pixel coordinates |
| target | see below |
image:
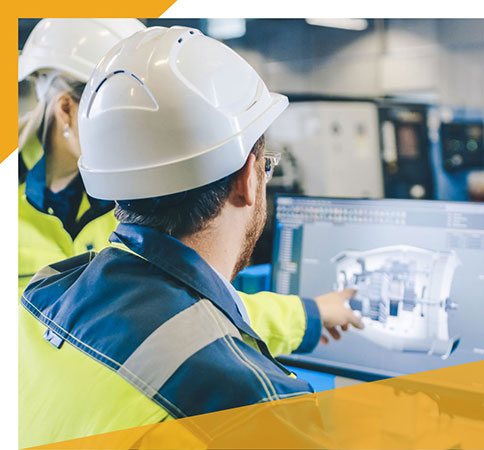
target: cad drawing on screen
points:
(403, 296)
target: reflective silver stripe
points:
(45, 272)
(170, 345)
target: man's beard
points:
(252, 233)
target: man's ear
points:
(245, 185)
(64, 109)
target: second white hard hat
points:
(72, 46)
(169, 110)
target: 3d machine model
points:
(402, 295)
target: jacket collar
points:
(37, 195)
(183, 263)
(36, 187)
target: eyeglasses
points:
(272, 160)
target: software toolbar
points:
(428, 214)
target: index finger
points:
(355, 320)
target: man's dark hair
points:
(183, 213)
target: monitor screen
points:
(417, 267)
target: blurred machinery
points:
(461, 145)
(336, 144)
(402, 295)
(457, 150)
(405, 151)
(373, 148)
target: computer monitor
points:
(417, 267)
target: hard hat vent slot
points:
(100, 84)
(132, 93)
(115, 73)
(109, 76)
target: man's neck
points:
(219, 244)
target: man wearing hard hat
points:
(171, 126)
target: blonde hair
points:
(38, 122)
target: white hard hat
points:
(72, 46)
(169, 110)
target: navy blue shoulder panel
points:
(100, 303)
(227, 375)
(116, 305)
